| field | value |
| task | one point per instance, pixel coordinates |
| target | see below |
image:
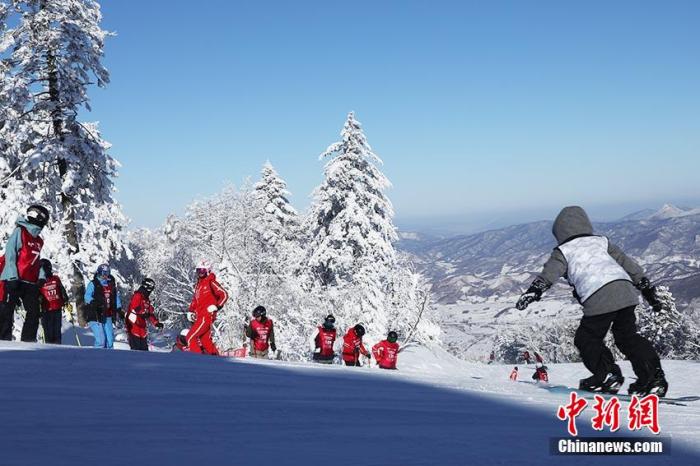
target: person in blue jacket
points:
(102, 306)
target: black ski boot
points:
(656, 385)
(610, 384)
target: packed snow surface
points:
(68, 405)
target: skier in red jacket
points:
(540, 374)
(514, 374)
(353, 347)
(22, 273)
(139, 313)
(53, 298)
(324, 341)
(386, 352)
(261, 333)
(209, 298)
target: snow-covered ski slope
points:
(75, 406)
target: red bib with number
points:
(326, 340)
(51, 291)
(28, 259)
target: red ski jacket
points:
(2, 282)
(53, 294)
(325, 339)
(262, 332)
(540, 375)
(352, 346)
(386, 354)
(28, 265)
(208, 292)
(140, 310)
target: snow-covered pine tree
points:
(672, 334)
(277, 220)
(351, 230)
(15, 189)
(53, 54)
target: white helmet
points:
(203, 264)
(203, 268)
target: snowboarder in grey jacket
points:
(607, 283)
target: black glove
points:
(649, 294)
(41, 282)
(160, 325)
(534, 293)
(273, 347)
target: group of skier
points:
(385, 352)
(540, 374)
(603, 277)
(29, 280)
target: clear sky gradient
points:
(477, 108)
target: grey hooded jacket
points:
(571, 223)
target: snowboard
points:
(678, 401)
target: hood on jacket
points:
(33, 230)
(571, 221)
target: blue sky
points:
(479, 109)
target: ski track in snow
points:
(65, 405)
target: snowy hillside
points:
(71, 406)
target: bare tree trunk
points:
(411, 332)
(77, 286)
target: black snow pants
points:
(317, 357)
(138, 343)
(599, 359)
(7, 318)
(28, 294)
(51, 322)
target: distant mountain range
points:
(500, 263)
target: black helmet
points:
(329, 321)
(359, 330)
(38, 215)
(46, 266)
(392, 337)
(259, 311)
(148, 284)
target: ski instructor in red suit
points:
(209, 298)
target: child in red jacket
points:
(138, 315)
(353, 347)
(261, 332)
(53, 298)
(324, 341)
(386, 352)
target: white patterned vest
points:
(590, 267)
